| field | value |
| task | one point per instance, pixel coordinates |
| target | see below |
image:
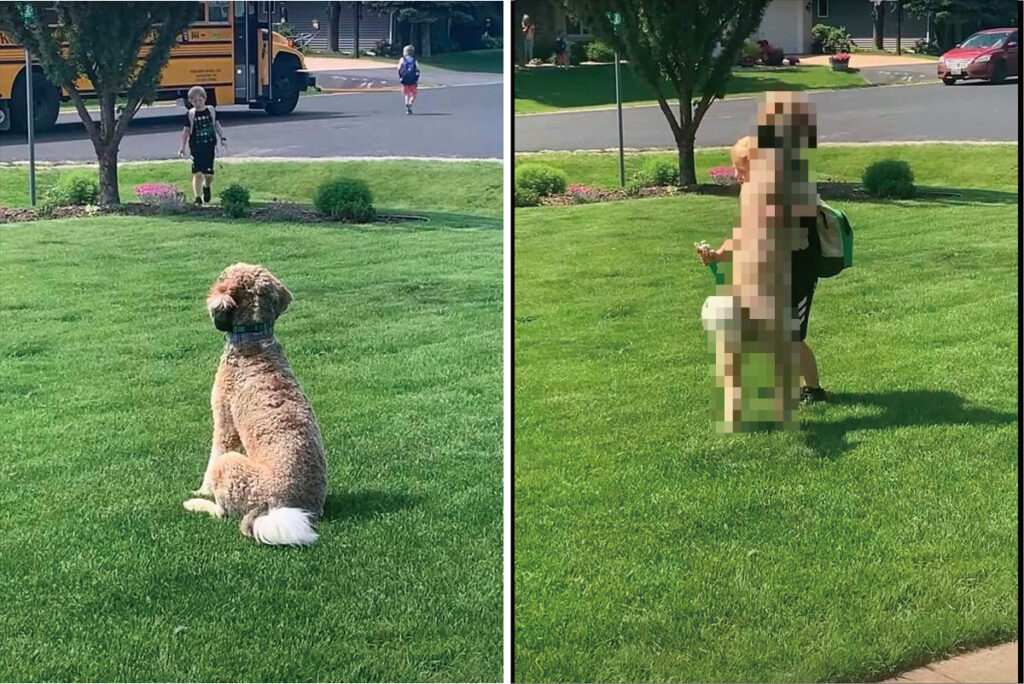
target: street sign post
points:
(615, 18)
(30, 115)
(618, 105)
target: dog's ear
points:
(282, 298)
(222, 310)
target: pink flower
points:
(579, 190)
(723, 175)
(841, 57)
(157, 193)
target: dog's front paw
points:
(204, 506)
(204, 490)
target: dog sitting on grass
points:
(267, 462)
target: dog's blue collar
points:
(252, 332)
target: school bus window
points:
(239, 10)
(218, 12)
(199, 13)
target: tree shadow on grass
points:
(899, 409)
(366, 504)
(854, 192)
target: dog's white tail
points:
(284, 526)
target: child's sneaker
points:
(815, 395)
(408, 109)
(199, 201)
(206, 194)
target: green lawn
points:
(462, 187)
(106, 364)
(539, 90)
(880, 536)
(487, 61)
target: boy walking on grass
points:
(804, 282)
(201, 132)
(409, 75)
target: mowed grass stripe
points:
(108, 360)
(648, 548)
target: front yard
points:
(879, 537)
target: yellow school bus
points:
(224, 50)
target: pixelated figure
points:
(753, 329)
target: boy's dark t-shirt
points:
(203, 135)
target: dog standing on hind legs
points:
(267, 462)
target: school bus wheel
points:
(45, 105)
(286, 85)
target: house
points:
(786, 23)
(309, 22)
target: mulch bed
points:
(275, 212)
(827, 189)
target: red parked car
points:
(991, 55)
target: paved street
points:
(462, 119)
(963, 112)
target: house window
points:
(822, 9)
(574, 27)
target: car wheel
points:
(999, 72)
(946, 80)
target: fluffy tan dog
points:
(267, 462)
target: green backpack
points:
(835, 237)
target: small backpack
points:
(409, 72)
(835, 238)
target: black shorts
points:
(804, 281)
(202, 159)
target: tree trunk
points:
(425, 33)
(107, 157)
(684, 142)
(878, 24)
(333, 19)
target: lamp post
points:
(616, 19)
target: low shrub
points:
(889, 178)
(543, 179)
(492, 42)
(634, 188)
(659, 172)
(830, 39)
(74, 190)
(600, 52)
(525, 197)
(578, 51)
(163, 195)
(723, 175)
(235, 201)
(345, 199)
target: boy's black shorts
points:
(804, 281)
(202, 159)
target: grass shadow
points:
(366, 504)
(899, 409)
(854, 192)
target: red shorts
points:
(409, 90)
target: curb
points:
(258, 160)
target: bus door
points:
(246, 51)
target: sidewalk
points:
(861, 61)
(990, 665)
(320, 63)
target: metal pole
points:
(899, 27)
(30, 112)
(618, 105)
